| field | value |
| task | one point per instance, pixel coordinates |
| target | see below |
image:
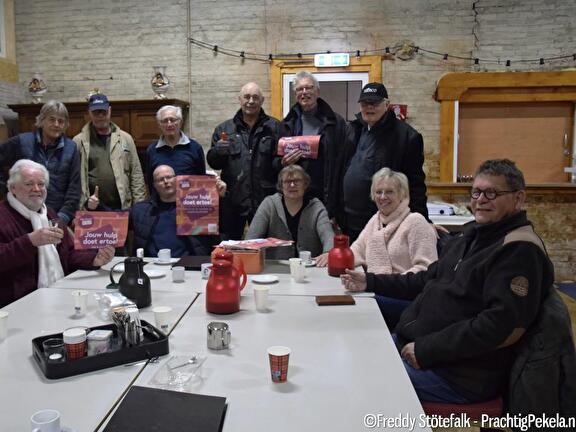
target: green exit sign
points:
(332, 60)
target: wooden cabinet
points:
(137, 117)
(525, 116)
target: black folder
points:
(146, 409)
(193, 262)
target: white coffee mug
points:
(164, 255)
(47, 420)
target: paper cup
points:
(278, 357)
(306, 257)
(163, 317)
(297, 269)
(178, 274)
(80, 302)
(261, 297)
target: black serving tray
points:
(155, 344)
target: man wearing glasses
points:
(380, 140)
(474, 304)
(311, 115)
(174, 148)
(153, 221)
(49, 146)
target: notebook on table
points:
(193, 262)
(151, 409)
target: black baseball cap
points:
(373, 92)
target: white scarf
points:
(49, 265)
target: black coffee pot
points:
(134, 283)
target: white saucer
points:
(154, 274)
(172, 261)
(264, 279)
(311, 263)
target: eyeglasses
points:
(489, 194)
(170, 120)
(308, 89)
(296, 182)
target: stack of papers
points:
(255, 244)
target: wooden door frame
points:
(278, 68)
(494, 87)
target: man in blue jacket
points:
(153, 221)
(48, 146)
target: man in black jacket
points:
(245, 157)
(311, 115)
(380, 140)
(470, 308)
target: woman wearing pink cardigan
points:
(394, 240)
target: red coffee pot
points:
(222, 289)
(340, 256)
(237, 266)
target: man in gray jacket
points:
(110, 170)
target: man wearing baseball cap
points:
(109, 166)
(380, 140)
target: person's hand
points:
(408, 353)
(292, 157)
(103, 256)
(93, 201)
(440, 228)
(322, 260)
(354, 280)
(222, 147)
(44, 236)
(221, 186)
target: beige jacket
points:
(125, 165)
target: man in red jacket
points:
(32, 253)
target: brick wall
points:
(81, 44)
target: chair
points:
(492, 408)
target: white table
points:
(83, 400)
(343, 366)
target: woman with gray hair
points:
(48, 146)
(291, 214)
(394, 240)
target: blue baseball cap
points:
(98, 102)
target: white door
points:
(340, 90)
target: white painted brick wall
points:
(81, 44)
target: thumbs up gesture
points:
(93, 201)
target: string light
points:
(265, 58)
